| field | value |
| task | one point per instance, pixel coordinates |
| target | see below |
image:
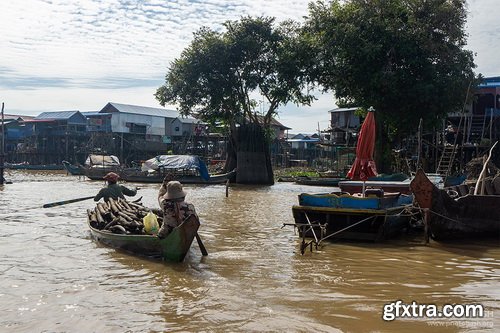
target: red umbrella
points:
(364, 165)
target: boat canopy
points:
(185, 162)
(102, 160)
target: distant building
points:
(344, 124)
(186, 127)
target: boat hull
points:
(363, 218)
(143, 177)
(353, 186)
(172, 248)
(74, 170)
(469, 216)
(378, 224)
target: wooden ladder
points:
(477, 125)
(446, 160)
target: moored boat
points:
(447, 218)
(75, 170)
(187, 169)
(27, 166)
(137, 176)
(318, 181)
(97, 166)
(403, 187)
(376, 217)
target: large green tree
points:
(406, 58)
(221, 76)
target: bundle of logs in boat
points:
(121, 216)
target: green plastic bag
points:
(150, 222)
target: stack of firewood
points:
(121, 216)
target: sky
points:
(80, 55)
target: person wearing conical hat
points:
(175, 208)
(114, 190)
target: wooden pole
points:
(481, 175)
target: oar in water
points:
(200, 244)
(60, 203)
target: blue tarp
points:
(186, 162)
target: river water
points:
(55, 278)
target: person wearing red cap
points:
(113, 190)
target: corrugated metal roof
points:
(95, 113)
(56, 115)
(490, 82)
(190, 121)
(144, 110)
(344, 109)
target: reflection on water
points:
(55, 278)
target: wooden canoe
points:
(173, 248)
(469, 216)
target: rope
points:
(440, 215)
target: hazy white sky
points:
(78, 55)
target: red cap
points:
(111, 176)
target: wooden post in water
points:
(2, 152)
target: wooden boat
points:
(403, 187)
(390, 177)
(27, 166)
(447, 218)
(376, 217)
(97, 166)
(356, 186)
(76, 170)
(318, 181)
(174, 247)
(138, 176)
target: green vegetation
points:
(217, 76)
(406, 58)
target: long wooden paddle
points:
(60, 203)
(200, 244)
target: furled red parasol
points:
(364, 165)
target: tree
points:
(219, 73)
(406, 58)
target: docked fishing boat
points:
(457, 217)
(375, 217)
(318, 181)
(75, 170)
(402, 186)
(27, 166)
(125, 233)
(187, 169)
(97, 166)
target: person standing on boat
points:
(113, 190)
(175, 209)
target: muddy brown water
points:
(55, 278)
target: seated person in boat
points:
(175, 209)
(114, 190)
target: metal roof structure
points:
(189, 120)
(56, 115)
(142, 110)
(490, 82)
(344, 109)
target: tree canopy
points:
(406, 58)
(219, 74)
